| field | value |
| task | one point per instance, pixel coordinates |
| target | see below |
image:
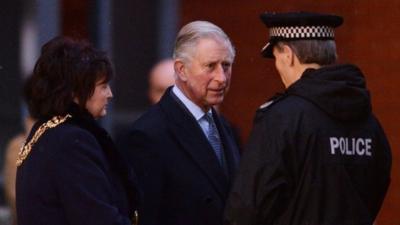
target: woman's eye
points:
(103, 86)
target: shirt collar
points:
(194, 109)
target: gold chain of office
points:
(26, 149)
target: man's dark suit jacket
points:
(181, 179)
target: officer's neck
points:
(297, 71)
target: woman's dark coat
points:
(74, 175)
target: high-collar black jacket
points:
(316, 156)
(75, 176)
(182, 181)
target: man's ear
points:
(180, 69)
(289, 55)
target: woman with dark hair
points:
(69, 171)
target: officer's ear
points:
(180, 69)
(288, 54)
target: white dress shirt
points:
(194, 109)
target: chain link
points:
(26, 149)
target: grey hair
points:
(321, 52)
(192, 32)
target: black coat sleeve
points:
(262, 186)
(384, 156)
(141, 151)
(84, 188)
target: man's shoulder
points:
(152, 118)
(144, 132)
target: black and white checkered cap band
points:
(302, 32)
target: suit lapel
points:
(189, 135)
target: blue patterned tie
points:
(214, 139)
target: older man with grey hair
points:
(183, 152)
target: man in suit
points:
(183, 152)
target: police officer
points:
(317, 154)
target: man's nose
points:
(220, 74)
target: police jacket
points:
(316, 156)
(74, 175)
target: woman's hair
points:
(66, 70)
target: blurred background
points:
(138, 34)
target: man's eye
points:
(226, 66)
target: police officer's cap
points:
(298, 26)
